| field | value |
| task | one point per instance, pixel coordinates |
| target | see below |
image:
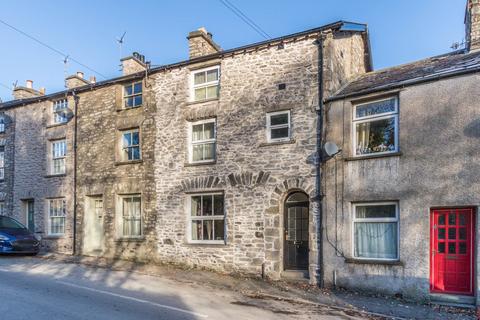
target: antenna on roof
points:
(457, 45)
(65, 69)
(15, 84)
(120, 46)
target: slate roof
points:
(430, 69)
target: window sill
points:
(277, 143)
(130, 239)
(373, 261)
(55, 175)
(131, 108)
(202, 101)
(196, 164)
(55, 125)
(121, 163)
(374, 156)
(214, 243)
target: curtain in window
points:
(376, 240)
(131, 217)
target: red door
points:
(451, 251)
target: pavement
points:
(66, 287)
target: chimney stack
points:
(93, 79)
(200, 43)
(26, 92)
(75, 80)
(472, 25)
(133, 64)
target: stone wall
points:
(438, 167)
(32, 181)
(101, 173)
(254, 176)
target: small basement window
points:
(375, 127)
(278, 126)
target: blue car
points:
(15, 238)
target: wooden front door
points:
(296, 232)
(452, 251)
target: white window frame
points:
(381, 116)
(52, 157)
(56, 118)
(49, 216)
(191, 143)
(123, 154)
(2, 162)
(193, 86)
(119, 219)
(2, 124)
(270, 127)
(190, 219)
(356, 220)
(133, 95)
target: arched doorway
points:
(296, 232)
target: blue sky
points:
(400, 31)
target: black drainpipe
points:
(319, 160)
(76, 98)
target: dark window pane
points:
(441, 247)
(279, 133)
(209, 130)
(219, 230)
(452, 233)
(136, 153)
(128, 90)
(375, 108)
(451, 247)
(135, 138)
(383, 211)
(375, 136)
(441, 233)
(137, 88)
(441, 219)
(129, 102)
(452, 219)
(462, 221)
(218, 205)
(212, 75)
(462, 233)
(207, 230)
(462, 247)
(207, 206)
(138, 101)
(279, 119)
(199, 78)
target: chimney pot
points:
(80, 74)
(30, 84)
(42, 91)
(93, 79)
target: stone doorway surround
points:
(274, 228)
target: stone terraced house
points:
(209, 162)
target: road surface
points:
(40, 289)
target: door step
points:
(453, 300)
(296, 275)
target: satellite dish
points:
(331, 148)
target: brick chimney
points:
(27, 91)
(133, 64)
(75, 80)
(200, 43)
(472, 25)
